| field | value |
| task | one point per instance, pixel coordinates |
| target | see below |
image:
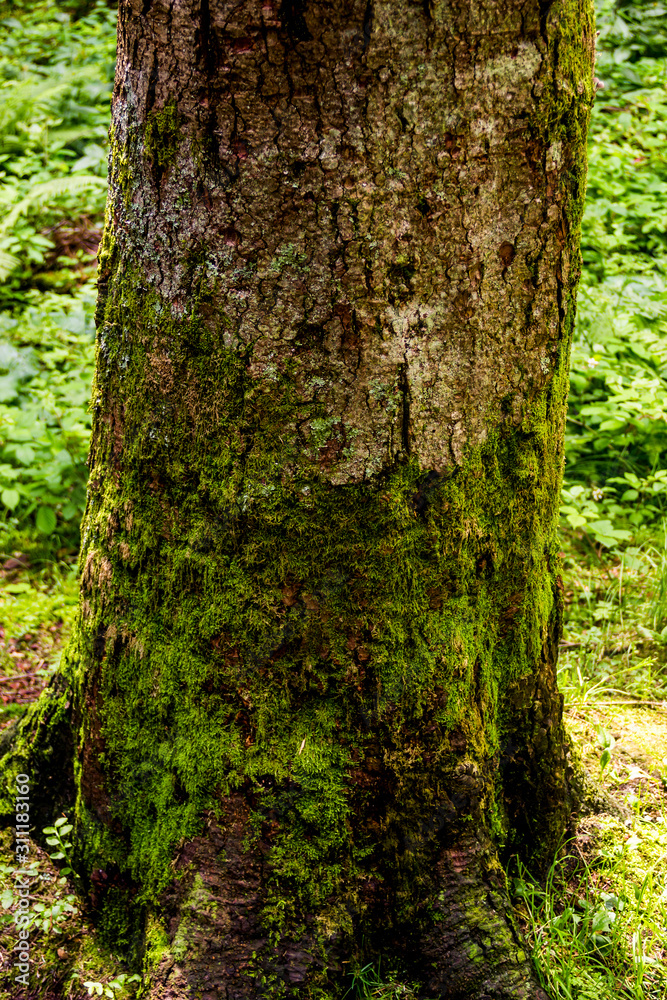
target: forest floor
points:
(597, 926)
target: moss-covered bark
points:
(312, 687)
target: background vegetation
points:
(598, 926)
(55, 83)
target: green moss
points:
(122, 177)
(157, 944)
(116, 921)
(196, 899)
(563, 114)
(260, 628)
(163, 136)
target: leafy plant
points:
(46, 362)
(607, 744)
(589, 942)
(48, 916)
(116, 987)
(56, 837)
(617, 424)
(56, 68)
(55, 83)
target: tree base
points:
(209, 937)
(40, 744)
(475, 950)
(215, 944)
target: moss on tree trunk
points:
(312, 688)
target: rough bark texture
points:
(313, 686)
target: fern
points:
(47, 193)
(40, 196)
(8, 264)
(20, 100)
(59, 137)
(54, 87)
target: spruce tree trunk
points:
(313, 683)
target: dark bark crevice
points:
(292, 15)
(41, 744)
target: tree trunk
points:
(313, 683)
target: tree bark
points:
(312, 688)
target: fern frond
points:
(14, 93)
(15, 96)
(20, 98)
(8, 194)
(8, 263)
(66, 135)
(50, 191)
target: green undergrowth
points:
(55, 82)
(597, 925)
(67, 958)
(38, 598)
(46, 357)
(616, 637)
(616, 484)
(56, 72)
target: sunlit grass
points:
(597, 923)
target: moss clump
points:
(341, 656)
(566, 101)
(163, 135)
(117, 921)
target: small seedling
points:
(56, 837)
(49, 916)
(607, 744)
(114, 988)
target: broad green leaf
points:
(46, 520)
(10, 498)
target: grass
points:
(597, 926)
(371, 983)
(616, 640)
